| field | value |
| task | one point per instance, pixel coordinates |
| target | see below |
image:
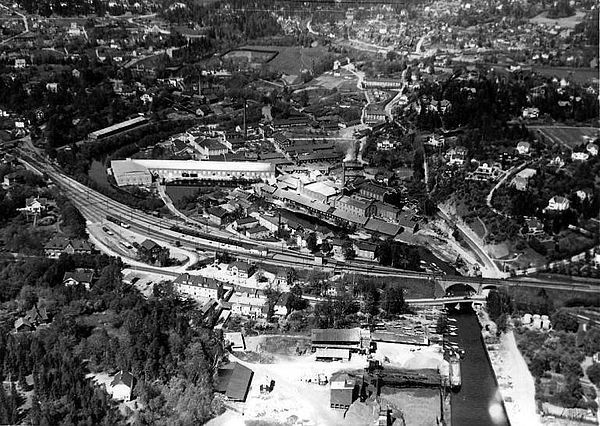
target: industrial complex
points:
(141, 172)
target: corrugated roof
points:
(326, 335)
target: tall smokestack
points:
(245, 127)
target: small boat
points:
(453, 334)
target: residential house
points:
(59, 245)
(523, 148)
(557, 161)
(217, 215)
(521, 179)
(343, 391)
(337, 247)
(592, 148)
(534, 226)
(20, 63)
(457, 156)
(280, 308)
(150, 249)
(241, 271)
(385, 145)
(585, 194)
(557, 204)
(531, 112)
(258, 233)
(254, 308)
(374, 191)
(579, 156)
(80, 276)
(35, 205)
(34, 318)
(234, 381)
(198, 287)
(13, 178)
(122, 386)
(365, 250)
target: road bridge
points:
(441, 301)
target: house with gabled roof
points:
(122, 385)
(198, 287)
(35, 205)
(557, 204)
(80, 276)
(240, 270)
(59, 245)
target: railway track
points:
(95, 207)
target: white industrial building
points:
(140, 172)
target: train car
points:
(113, 219)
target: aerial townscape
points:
(300, 213)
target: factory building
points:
(141, 172)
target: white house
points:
(240, 270)
(523, 148)
(197, 287)
(35, 205)
(531, 112)
(558, 204)
(121, 386)
(579, 156)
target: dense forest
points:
(112, 327)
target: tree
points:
(295, 302)
(393, 300)
(593, 373)
(273, 295)
(349, 252)
(371, 302)
(291, 276)
(498, 304)
(311, 242)
(562, 320)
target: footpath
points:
(515, 383)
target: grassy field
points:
(292, 60)
(578, 75)
(568, 22)
(567, 136)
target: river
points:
(478, 402)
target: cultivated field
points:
(567, 136)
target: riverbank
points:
(515, 383)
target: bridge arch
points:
(459, 289)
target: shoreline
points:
(516, 386)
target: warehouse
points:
(140, 172)
(115, 129)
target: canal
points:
(478, 402)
